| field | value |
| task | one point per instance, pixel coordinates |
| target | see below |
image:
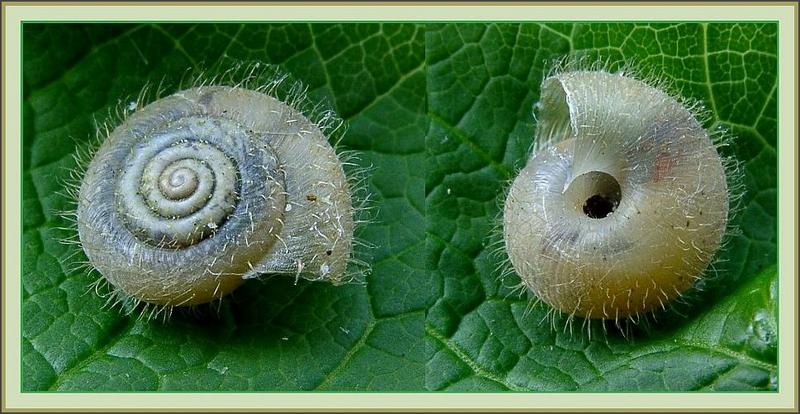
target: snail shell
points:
(202, 189)
(623, 203)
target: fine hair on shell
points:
(683, 302)
(250, 75)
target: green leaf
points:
(442, 112)
(482, 82)
(271, 335)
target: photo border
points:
(14, 14)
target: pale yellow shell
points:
(623, 203)
(202, 189)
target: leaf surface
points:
(271, 335)
(442, 114)
(483, 80)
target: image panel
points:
(531, 301)
(330, 308)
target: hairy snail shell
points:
(202, 189)
(623, 203)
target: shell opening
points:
(595, 193)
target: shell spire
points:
(202, 189)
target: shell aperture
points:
(623, 203)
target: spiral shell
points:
(202, 189)
(623, 203)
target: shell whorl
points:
(202, 189)
(623, 203)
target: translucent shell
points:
(623, 203)
(200, 190)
